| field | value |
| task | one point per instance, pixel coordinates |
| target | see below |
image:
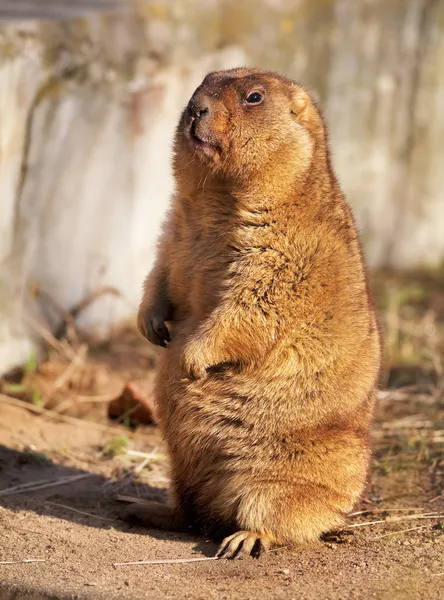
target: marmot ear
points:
(301, 105)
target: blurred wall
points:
(88, 107)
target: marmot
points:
(259, 291)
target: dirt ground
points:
(75, 527)
(64, 463)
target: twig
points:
(379, 537)
(155, 454)
(367, 523)
(53, 414)
(140, 454)
(26, 487)
(414, 517)
(48, 337)
(139, 468)
(398, 519)
(169, 561)
(382, 510)
(406, 390)
(23, 486)
(400, 395)
(408, 424)
(132, 499)
(69, 317)
(76, 362)
(147, 458)
(436, 498)
(81, 512)
(20, 562)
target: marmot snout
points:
(265, 392)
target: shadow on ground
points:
(86, 498)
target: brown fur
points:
(266, 390)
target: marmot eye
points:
(254, 98)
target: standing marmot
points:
(266, 390)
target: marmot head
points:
(243, 122)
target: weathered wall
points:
(88, 109)
(85, 175)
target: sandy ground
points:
(79, 549)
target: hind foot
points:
(243, 543)
(155, 515)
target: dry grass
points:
(78, 376)
(412, 317)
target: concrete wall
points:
(88, 108)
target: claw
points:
(156, 332)
(243, 543)
(161, 329)
(261, 547)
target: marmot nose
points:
(198, 107)
(201, 112)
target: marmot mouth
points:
(208, 147)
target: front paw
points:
(193, 363)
